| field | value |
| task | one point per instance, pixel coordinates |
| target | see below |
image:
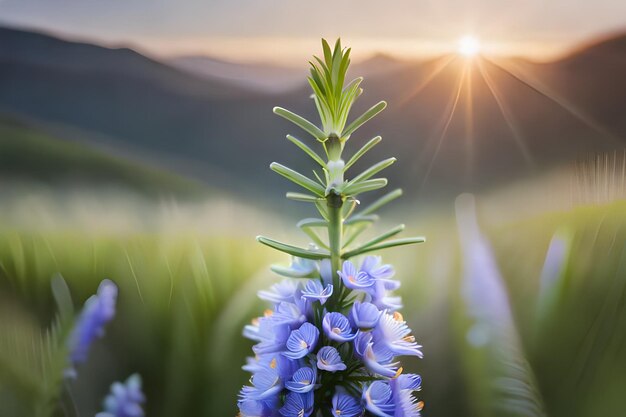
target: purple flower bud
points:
(365, 315)
(125, 399)
(98, 310)
(329, 360)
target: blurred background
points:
(135, 139)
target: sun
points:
(469, 46)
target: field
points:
(188, 275)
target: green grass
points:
(185, 294)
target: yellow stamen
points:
(268, 313)
(255, 321)
(303, 344)
(398, 372)
(273, 363)
(398, 316)
(419, 406)
(336, 330)
(409, 339)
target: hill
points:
(28, 155)
(262, 77)
(511, 118)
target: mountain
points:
(512, 118)
(256, 76)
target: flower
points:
(394, 398)
(395, 335)
(314, 290)
(345, 405)
(353, 279)
(282, 291)
(297, 405)
(98, 310)
(302, 341)
(125, 399)
(302, 381)
(329, 360)
(365, 316)
(337, 327)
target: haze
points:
(250, 30)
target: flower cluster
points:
(99, 309)
(329, 344)
(309, 357)
(125, 399)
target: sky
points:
(287, 30)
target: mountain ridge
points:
(231, 129)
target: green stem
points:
(335, 233)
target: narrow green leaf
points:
(301, 122)
(360, 218)
(348, 208)
(327, 53)
(365, 186)
(380, 202)
(369, 145)
(373, 170)
(312, 222)
(373, 111)
(384, 245)
(293, 250)
(298, 178)
(322, 208)
(318, 177)
(288, 272)
(315, 237)
(307, 226)
(382, 237)
(302, 197)
(354, 231)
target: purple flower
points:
(297, 405)
(314, 290)
(288, 313)
(371, 266)
(378, 360)
(365, 316)
(345, 405)
(266, 383)
(378, 399)
(395, 335)
(302, 341)
(394, 398)
(252, 408)
(353, 279)
(282, 291)
(302, 381)
(98, 310)
(337, 327)
(329, 360)
(125, 399)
